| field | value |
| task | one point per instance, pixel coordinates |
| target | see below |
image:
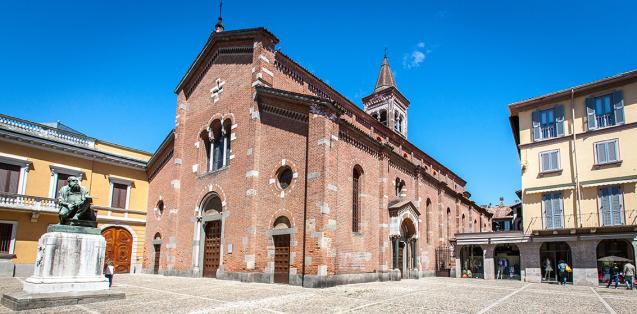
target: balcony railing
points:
(605, 120)
(27, 202)
(548, 131)
(44, 131)
(590, 219)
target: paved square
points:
(159, 294)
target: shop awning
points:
(550, 188)
(609, 181)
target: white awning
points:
(613, 181)
(549, 189)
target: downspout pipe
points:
(578, 195)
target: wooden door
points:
(282, 258)
(119, 247)
(212, 249)
(157, 256)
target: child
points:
(109, 270)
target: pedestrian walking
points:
(629, 275)
(614, 276)
(562, 269)
(109, 270)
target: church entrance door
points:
(119, 247)
(282, 258)
(212, 249)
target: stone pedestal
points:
(69, 259)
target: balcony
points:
(44, 131)
(547, 131)
(605, 120)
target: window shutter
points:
(554, 160)
(5, 237)
(604, 206)
(612, 151)
(590, 113)
(616, 205)
(9, 178)
(618, 101)
(544, 162)
(557, 210)
(559, 120)
(600, 149)
(536, 125)
(548, 211)
(119, 195)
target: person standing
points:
(109, 270)
(629, 275)
(614, 276)
(561, 268)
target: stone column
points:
(414, 254)
(395, 257)
(530, 262)
(584, 264)
(488, 264)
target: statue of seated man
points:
(75, 205)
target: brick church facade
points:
(271, 175)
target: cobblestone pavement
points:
(159, 294)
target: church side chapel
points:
(271, 175)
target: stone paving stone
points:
(531, 302)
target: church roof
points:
(385, 77)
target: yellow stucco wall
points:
(95, 177)
(585, 147)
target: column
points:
(395, 257)
(488, 263)
(415, 254)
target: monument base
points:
(19, 301)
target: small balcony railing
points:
(605, 120)
(548, 131)
(44, 131)
(589, 219)
(27, 202)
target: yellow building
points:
(578, 160)
(35, 161)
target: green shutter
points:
(559, 120)
(618, 101)
(590, 113)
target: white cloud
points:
(416, 57)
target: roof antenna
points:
(219, 27)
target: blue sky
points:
(459, 62)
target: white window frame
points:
(13, 233)
(24, 165)
(125, 181)
(57, 169)
(559, 162)
(616, 141)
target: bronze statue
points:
(75, 205)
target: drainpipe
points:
(578, 195)
(307, 166)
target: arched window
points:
(375, 116)
(463, 223)
(383, 117)
(160, 208)
(396, 121)
(428, 219)
(211, 203)
(400, 185)
(473, 227)
(448, 223)
(217, 143)
(356, 210)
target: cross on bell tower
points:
(219, 26)
(386, 103)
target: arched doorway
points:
(472, 261)
(551, 253)
(610, 253)
(405, 248)
(119, 248)
(281, 251)
(507, 261)
(212, 205)
(157, 247)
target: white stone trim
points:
(24, 165)
(59, 168)
(13, 232)
(133, 257)
(128, 182)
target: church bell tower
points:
(386, 103)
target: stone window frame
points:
(125, 181)
(14, 230)
(206, 137)
(24, 165)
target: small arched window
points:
(383, 117)
(400, 185)
(160, 208)
(463, 222)
(217, 144)
(448, 223)
(356, 210)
